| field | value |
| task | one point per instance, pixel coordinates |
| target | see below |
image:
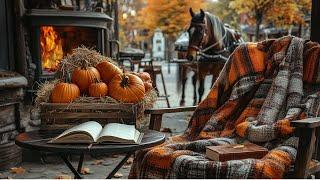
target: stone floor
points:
(97, 167)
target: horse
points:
(210, 43)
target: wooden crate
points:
(59, 116)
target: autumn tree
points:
(127, 21)
(171, 16)
(224, 12)
(279, 12)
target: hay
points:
(74, 60)
(150, 98)
(44, 92)
(86, 99)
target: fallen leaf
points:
(107, 163)
(97, 162)
(129, 161)
(117, 175)
(115, 156)
(17, 170)
(63, 176)
(85, 170)
(166, 130)
(126, 166)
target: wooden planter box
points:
(56, 116)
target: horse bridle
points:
(203, 25)
(199, 47)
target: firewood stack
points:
(11, 95)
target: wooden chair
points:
(308, 131)
(155, 70)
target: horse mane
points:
(219, 30)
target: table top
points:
(37, 140)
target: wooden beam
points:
(21, 65)
(315, 21)
(116, 19)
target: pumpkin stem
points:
(125, 81)
(68, 78)
(96, 80)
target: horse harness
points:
(217, 54)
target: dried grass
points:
(74, 60)
(150, 99)
(44, 92)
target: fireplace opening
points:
(54, 33)
(58, 41)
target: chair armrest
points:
(307, 123)
(156, 115)
(170, 110)
(307, 131)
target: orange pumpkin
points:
(145, 76)
(98, 89)
(108, 70)
(84, 77)
(65, 93)
(147, 86)
(127, 88)
(135, 73)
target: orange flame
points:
(51, 48)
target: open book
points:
(93, 132)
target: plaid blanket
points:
(262, 87)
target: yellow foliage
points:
(224, 12)
(282, 13)
(171, 16)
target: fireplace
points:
(54, 33)
(58, 41)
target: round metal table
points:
(38, 141)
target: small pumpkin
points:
(127, 88)
(108, 70)
(64, 93)
(85, 76)
(135, 73)
(98, 89)
(147, 86)
(145, 76)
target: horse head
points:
(197, 33)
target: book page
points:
(122, 131)
(91, 128)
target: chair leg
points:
(155, 122)
(165, 89)
(305, 150)
(317, 150)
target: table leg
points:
(68, 163)
(80, 162)
(115, 170)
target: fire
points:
(51, 48)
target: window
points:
(159, 49)
(158, 41)
(6, 45)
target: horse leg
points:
(201, 88)
(182, 78)
(182, 101)
(194, 82)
